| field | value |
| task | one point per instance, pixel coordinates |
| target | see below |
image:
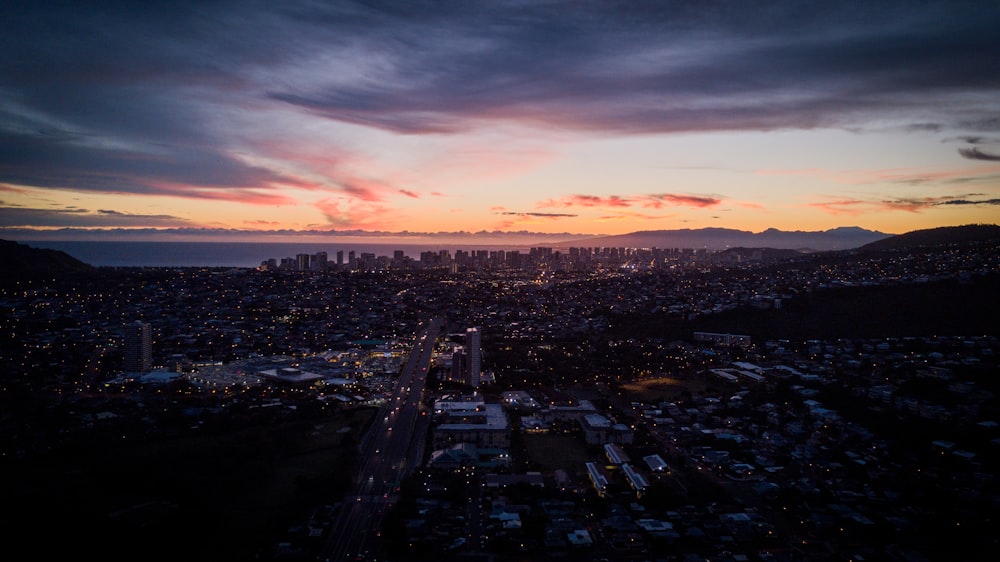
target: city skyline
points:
(264, 122)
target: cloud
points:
(905, 176)
(977, 154)
(853, 206)
(13, 217)
(587, 201)
(545, 215)
(409, 193)
(989, 202)
(659, 200)
(653, 201)
(194, 99)
(136, 72)
(342, 212)
(970, 139)
(202, 172)
(657, 67)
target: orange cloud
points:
(631, 215)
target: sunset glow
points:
(550, 118)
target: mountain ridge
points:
(30, 262)
(935, 237)
(718, 238)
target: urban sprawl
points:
(591, 403)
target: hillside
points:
(919, 309)
(26, 262)
(936, 237)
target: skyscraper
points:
(138, 347)
(458, 369)
(474, 355)
(319, 260)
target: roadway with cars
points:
(390, 450)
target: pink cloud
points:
(335, 168)
(579, 200)
(344, 212)
(659, 200)
(262, 196)
(12, 189)
(650, 201)
(409, 193)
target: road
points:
(390, 450)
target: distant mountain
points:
(24, 262)
(843, 238)
(936, 237)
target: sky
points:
(258, 120)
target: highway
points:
(390, 450)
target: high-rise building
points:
(302, 262)
(319, 260)
(138, 347)
(474, 356)
(458, 362)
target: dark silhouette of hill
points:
(918, 309)
(842, 238)
(760, 253)
(26, 262)
(935, 237)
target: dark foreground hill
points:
(921, 309)
(967, 307)
(26, 262)
(935, 237)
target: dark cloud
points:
(977, 154)
(71, 217)
(970, 202)
(970, 139)
(61, 160)
(666, 67)
(120, 96)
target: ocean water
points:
(221, 254)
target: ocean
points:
(223, 254)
